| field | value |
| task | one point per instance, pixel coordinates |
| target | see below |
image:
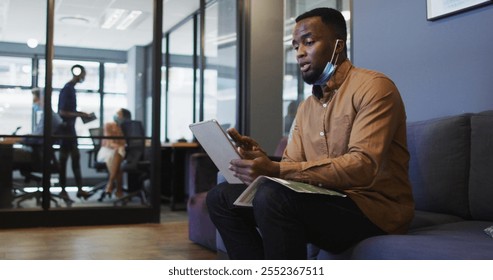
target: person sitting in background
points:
(23, 158)
(112, 152)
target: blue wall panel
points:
(441, 67)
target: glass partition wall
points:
(181, 82)
(110, 39)
(200, 66)
(220, 75)
(19, 114)
(113, 41)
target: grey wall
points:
(441, 67)
(265, 71)
(136, 59)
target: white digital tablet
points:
(218, 146)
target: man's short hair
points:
(331, 17)
(36, 92)
(126, 114)
(77, 69)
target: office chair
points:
(93, 162)
(30, 173)
(134, 165)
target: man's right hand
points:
(84, 115)
(244, 142)
(247, 147)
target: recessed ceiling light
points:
(75, 20)
(128, 20)
(112, 16)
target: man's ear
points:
(340, 45)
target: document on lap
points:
(246, 198)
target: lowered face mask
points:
(116, 119)
(330, 68)
(36, 107)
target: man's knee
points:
(223, 196)
(214, 196)
(270, 195)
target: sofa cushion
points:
(455, 241)
(481, 172)
(439, 164)
(425, 219)
(201, 173)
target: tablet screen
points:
(218, 146)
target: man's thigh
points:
(333, 223)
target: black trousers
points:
(282, 222)
(71, 151)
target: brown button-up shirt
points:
(353, 139)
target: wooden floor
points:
(165, 241)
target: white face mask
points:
(330, 68)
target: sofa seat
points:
(464, 240)
(426, 218)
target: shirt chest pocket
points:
(338, 137)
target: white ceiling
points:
(77, 22)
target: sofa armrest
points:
(202, 173)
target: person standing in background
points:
(67, 109)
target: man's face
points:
(82, 76)
(314, 43)
(36, 100)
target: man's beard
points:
(310, 77)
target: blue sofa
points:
(451, 170)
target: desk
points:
(174, 179)
(6, 159)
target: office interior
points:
(176, 62)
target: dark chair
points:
(93, 163)
(33, 172)
(135, 166)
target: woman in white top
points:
(112, 152)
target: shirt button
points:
(325, 105)
(321, 133)
(320, 185)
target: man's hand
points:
(247, 147)
(248, 170)
(84, 114)
(254, 161)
